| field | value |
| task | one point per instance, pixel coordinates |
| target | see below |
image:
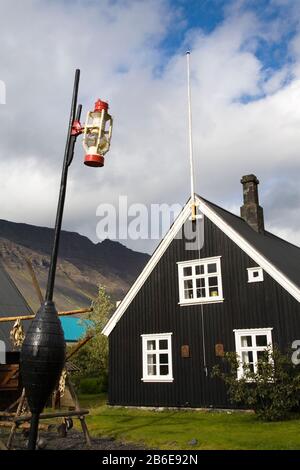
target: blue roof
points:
(74, 328)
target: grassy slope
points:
(173, 429)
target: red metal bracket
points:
(77, 129)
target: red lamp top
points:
(99, 105)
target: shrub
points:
(92, 358)
(93, 385)
(273, 391)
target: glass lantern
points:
(97, 134)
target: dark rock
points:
(193, 442)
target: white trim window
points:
(157, 357)
(200, 281)
(255, 274)
(250, 346)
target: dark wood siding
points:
(155, 309)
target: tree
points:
(272, 391)
(92, 359)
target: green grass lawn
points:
(173, 429)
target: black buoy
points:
(42, 361)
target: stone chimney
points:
(251, 211)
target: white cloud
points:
(116, 45)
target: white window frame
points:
(156, 337)
(253, 332)
(252, 278)
(193, 263)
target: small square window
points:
(255, 274)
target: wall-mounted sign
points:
(185, 350)
(219, 349)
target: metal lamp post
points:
(43, 351)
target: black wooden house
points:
(237, 290)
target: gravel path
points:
(73, 441)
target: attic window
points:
(200, 281)
(255, 274)
(157, 357)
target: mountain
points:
(82, 265)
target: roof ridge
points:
(222, 208)
(266, 232)
(282, 239)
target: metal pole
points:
(190, 135)
(62, 193)
(33, 433)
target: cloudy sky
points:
(245, 67)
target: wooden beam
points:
(61, 314)
(58, 414)
(77, 408)
(34, 280)
(6, 414)
(14, 424)
(8, 374)
(79, 346)
(2, 445)
(8, 424)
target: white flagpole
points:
(193, 205)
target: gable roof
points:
(12, 303)
(278, 258)
(284, 255)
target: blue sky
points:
(205, 15)
(245, 69)
(208, 15)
